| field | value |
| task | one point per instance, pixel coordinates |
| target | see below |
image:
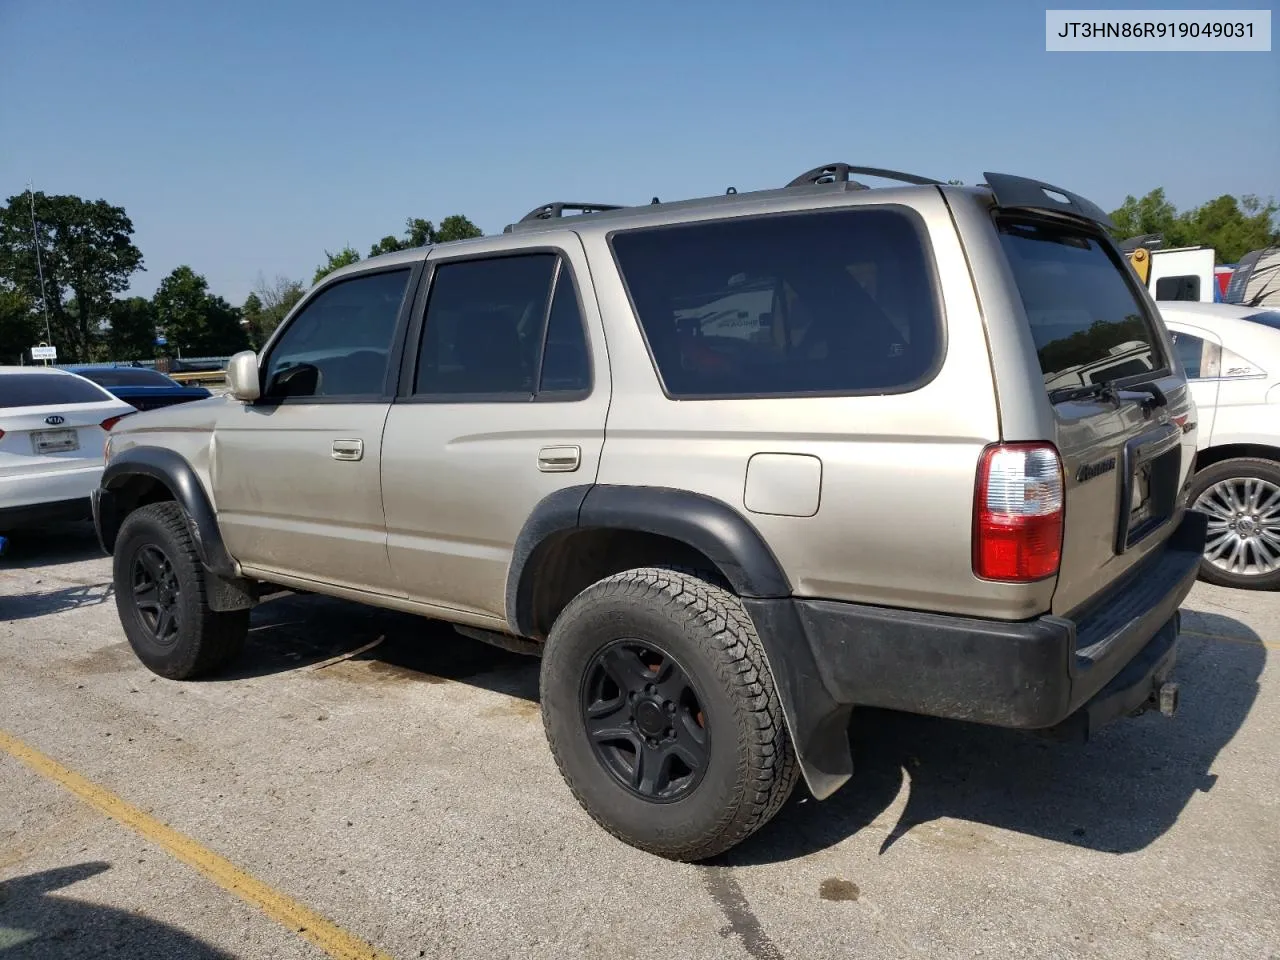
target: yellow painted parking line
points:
(1268, 644)
(326, 935)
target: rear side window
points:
(1200, 358)
(44, 390)
(338, 345)
(1268, 318)
(1087, 321)
(1178, 288)
(129, 377)
(832, 302)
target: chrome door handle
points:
(559, 459)
(348, 450)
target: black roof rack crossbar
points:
(550, 211)
(839, 173)
(1028, 194)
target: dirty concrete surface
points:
(406, 794)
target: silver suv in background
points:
(730, 466)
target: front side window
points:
(503, 327)
(338, 345)
(1085, 316)
(831, 302)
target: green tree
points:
(267, 305)
(334, 261)
(86, 253)
(1231, 226)
(457, 227)
(419, 233)
(196, 322)
(133, 329)
(21, 325)
(1152, 214)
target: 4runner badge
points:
(1088, 471)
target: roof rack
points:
(550, 211)
(839, 173)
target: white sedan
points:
(1231, 355)
(53, 426)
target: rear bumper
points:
(75, 482)
(1048, 673)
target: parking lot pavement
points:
(406, 794)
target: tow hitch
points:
(1163, 698)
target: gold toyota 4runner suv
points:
(730, 466)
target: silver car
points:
(731, 466)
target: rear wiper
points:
(1106, 391)
(1102, 391)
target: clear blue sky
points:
(246, 138)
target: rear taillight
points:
(1018, 510)
(110, 422)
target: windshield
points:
(128, 377)
(1087, 321)
(47, 390)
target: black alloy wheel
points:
(157, 594)
(645, 721)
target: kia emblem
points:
(55, 420)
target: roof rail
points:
(550, 211)
(839, 173)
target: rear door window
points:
(47, 390)
(1086, 318)
(820, 303)
(503, 327)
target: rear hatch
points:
(50, 422)
(1119, 405)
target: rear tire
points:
(162, 600)
(1242, 549)
(662, 715)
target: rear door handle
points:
(348, 450)
(559, 459)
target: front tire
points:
(662, 715)
(162, 600)
(1241, 497)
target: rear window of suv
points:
(1086, 318)
(818, 303)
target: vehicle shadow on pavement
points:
(1116, 794)
(35, 925)
(50, 546)
(295, 631)
(29, 605)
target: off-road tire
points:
(205, 640)
(1238, 468)
(751, 768)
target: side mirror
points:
(242, 376)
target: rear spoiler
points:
(1023, 193)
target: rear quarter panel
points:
(893, 523)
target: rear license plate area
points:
(45, 442)
(1149, 492)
